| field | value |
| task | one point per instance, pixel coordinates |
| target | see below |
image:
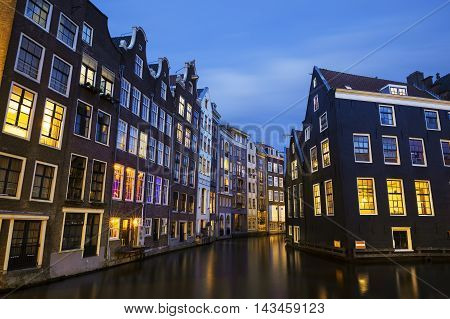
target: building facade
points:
(252, 193)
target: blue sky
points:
(256, 56)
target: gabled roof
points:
(340, 80)
(117, 40)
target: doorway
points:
(24, 244)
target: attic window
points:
(348, 87)
(314, 82)
(395, 90)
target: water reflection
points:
(251, 268)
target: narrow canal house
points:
(56, 141)
(369, 174)
(185, 155)
(215, 158)
(262, 216)
(252, 194)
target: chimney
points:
(416, 79)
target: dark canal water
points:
(251, 268)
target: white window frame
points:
(403, 197)
(320, 122)
(83, 190)
(75, 39)
(85, 24)
(394, 120)
(146, 111)
(133, 151)
(121, 182)
(316, 102)
(442, 150)
(437, 118)
(133, 189)
(21, 176)
(424, 152)
(408, 231)
(144, 185)
(62, 125)
(374, 197)
(41, 61)
(326, 196)
(128, 93)
(397, 150)
(139, 95)
(311, 160)
(370, 148)
(49, 17)
(296, 238)
(52, 190)
(104, 179)
(69, 80)
(321, 152)
(307, 133)
(90, 120)
(163, 85)
(109, 128)
(140, 65)
(314, 200)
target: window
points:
(158, 190)
(366, 196)
(300, 197)
(189, 113)
(162, 120)
(87, 33)
(445, 147)
(60, 76)
(145, 108)
(29, 58)
(77, 175)
(165, 192)
(179, 133)
(387, 115)
(143, 139)
(136, 101)
(152, 149)
(175, 199)
(166, 156)
(107, 82)
(12, 169)
(317, 204)
(397, 90)
(148, 226)
(150, 188)
(138, 66)
(432, 120)
(276, 197)
(114, 228)
(325, 145)
(329, 198)
(181, 106)
(390, 150)
(88, 71)
(122, 135)
(83, 120)
(39, 11)
(195, 119)
(118, 181)
(163, 90)
(361, 148)
(314, 160)
(98, 178)
(401, 238)
(395, 197)
(281, 182)
(140, 187)
(323, 122)
(43, 182)
(316, 102)
(314, 82)
(192, 173)
(424, 198)
(307, 133)
(187, 138)
(133, 140)
(125, 89)
(102, 128)
(173, 230)
(296, 234)
(168, 125)
(67, 32)
(73, 231)
(52, 125)
(417, 149)
(176, 168)
(154, 115)
(270, 195)
(270, 180)
(294, 169)
(129, 184)
(160, 158)
(81, 231)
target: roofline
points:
(323, 78)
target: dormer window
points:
(395, 90)
(314, 83)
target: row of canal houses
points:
(106, 157)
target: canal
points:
(250, 268)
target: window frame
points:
(85, 24)
(20, 179)
(41, 60)
(402, 194)
(61, 135)
(398, 162)
(442, 141)
(408, 231)
(320, 122)
(369, 147)
(69, 80)
(374, 196)
(431, 198)
(307, 133)
(128, 97)
(319, 203)
(104, 180)
(52, 188)
(75, 38)
(83, 189)
(437, 119)
(90, 120)
(394, 119)
(311, 159)
(138, 65)
(49, 17)
(316, 103)
(322, 152)
(121, 183)
(424, 152)
(109, 128)
(326, 197)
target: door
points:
(24, 244)
(182, 231)
(91, 238)
(401, 238)
(125, 232)
(155, 231)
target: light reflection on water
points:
(250, 268)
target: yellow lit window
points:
(181, 106)
(117, 181)
(317, 205)
(326, 161)
(329, 197)
(19, 112)
(424, 199)
(52, 122)
(129, 184)
(114, 228)
(314, 161)
(143, 139)
(366, 196)
(395, 197)
(140, 187)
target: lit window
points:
(150, 188)
(401, 238)
(87, 33)
(390, 150)
(181, 106)
(326, 160)
(133, 140)
(154, 115)
(39, 11)
(445, 147)
(129, 184)
(44, 182)
(296, 234)
(52, 123)
(114, 228)
(387, 115)
(83, 120)
(323, 122)
(317, 205)
(329, 197)
(301, 201)
(152, 149)
(158, 190)
(145, 108)
(314, 160)
(136, 101)
(179, 133)
(395, 197)
(88, 71)
(316, 102)
(307, 133)
(77, 174)
(162, 120)
(432, 120)
(29, 58)
(366, 196)
(140, 187)
(424, 199)
(107, 82)
(187, 138)
(67, 32)
(163, 90)
(168, 125)
(270, 195)
(125, 89)
(294, 169)
(395, 90)
(98, 178)
(102, 128)
(60, 76)
(122, 135)
(118, 181)
(143, 139)
(138, 66)
(189, 113)
(160, 158)
(11, 175)
(361, 148)
(417, 150)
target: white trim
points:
(326, 198)
(84, 175)
(442, 150)
(321, 152)
(431, 197)
(397, 150)
(314, 200)
(144, 184)
(75, 39)
(21, 176)
(128, 95)
(69, 79)
(408, 231)
(125, 184)
(41, 61)
(424, 152)
(52, 190)
(370, 148)
(121, 182)
(403, 197)
(104, 180)
(399, 100)
(63, 122)
(437, 118)
(23, 217)
(92, 33)
(311, 161)
(316, 98)
(49, 17)
(90, 120)
(296, 234)
(320, 122)
(374, 196)
(109, 128)
(394, 119)
(8, 245)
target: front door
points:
(182, 231)
(24, 244)
(125, 232)
(91, 238)
(155, 230)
